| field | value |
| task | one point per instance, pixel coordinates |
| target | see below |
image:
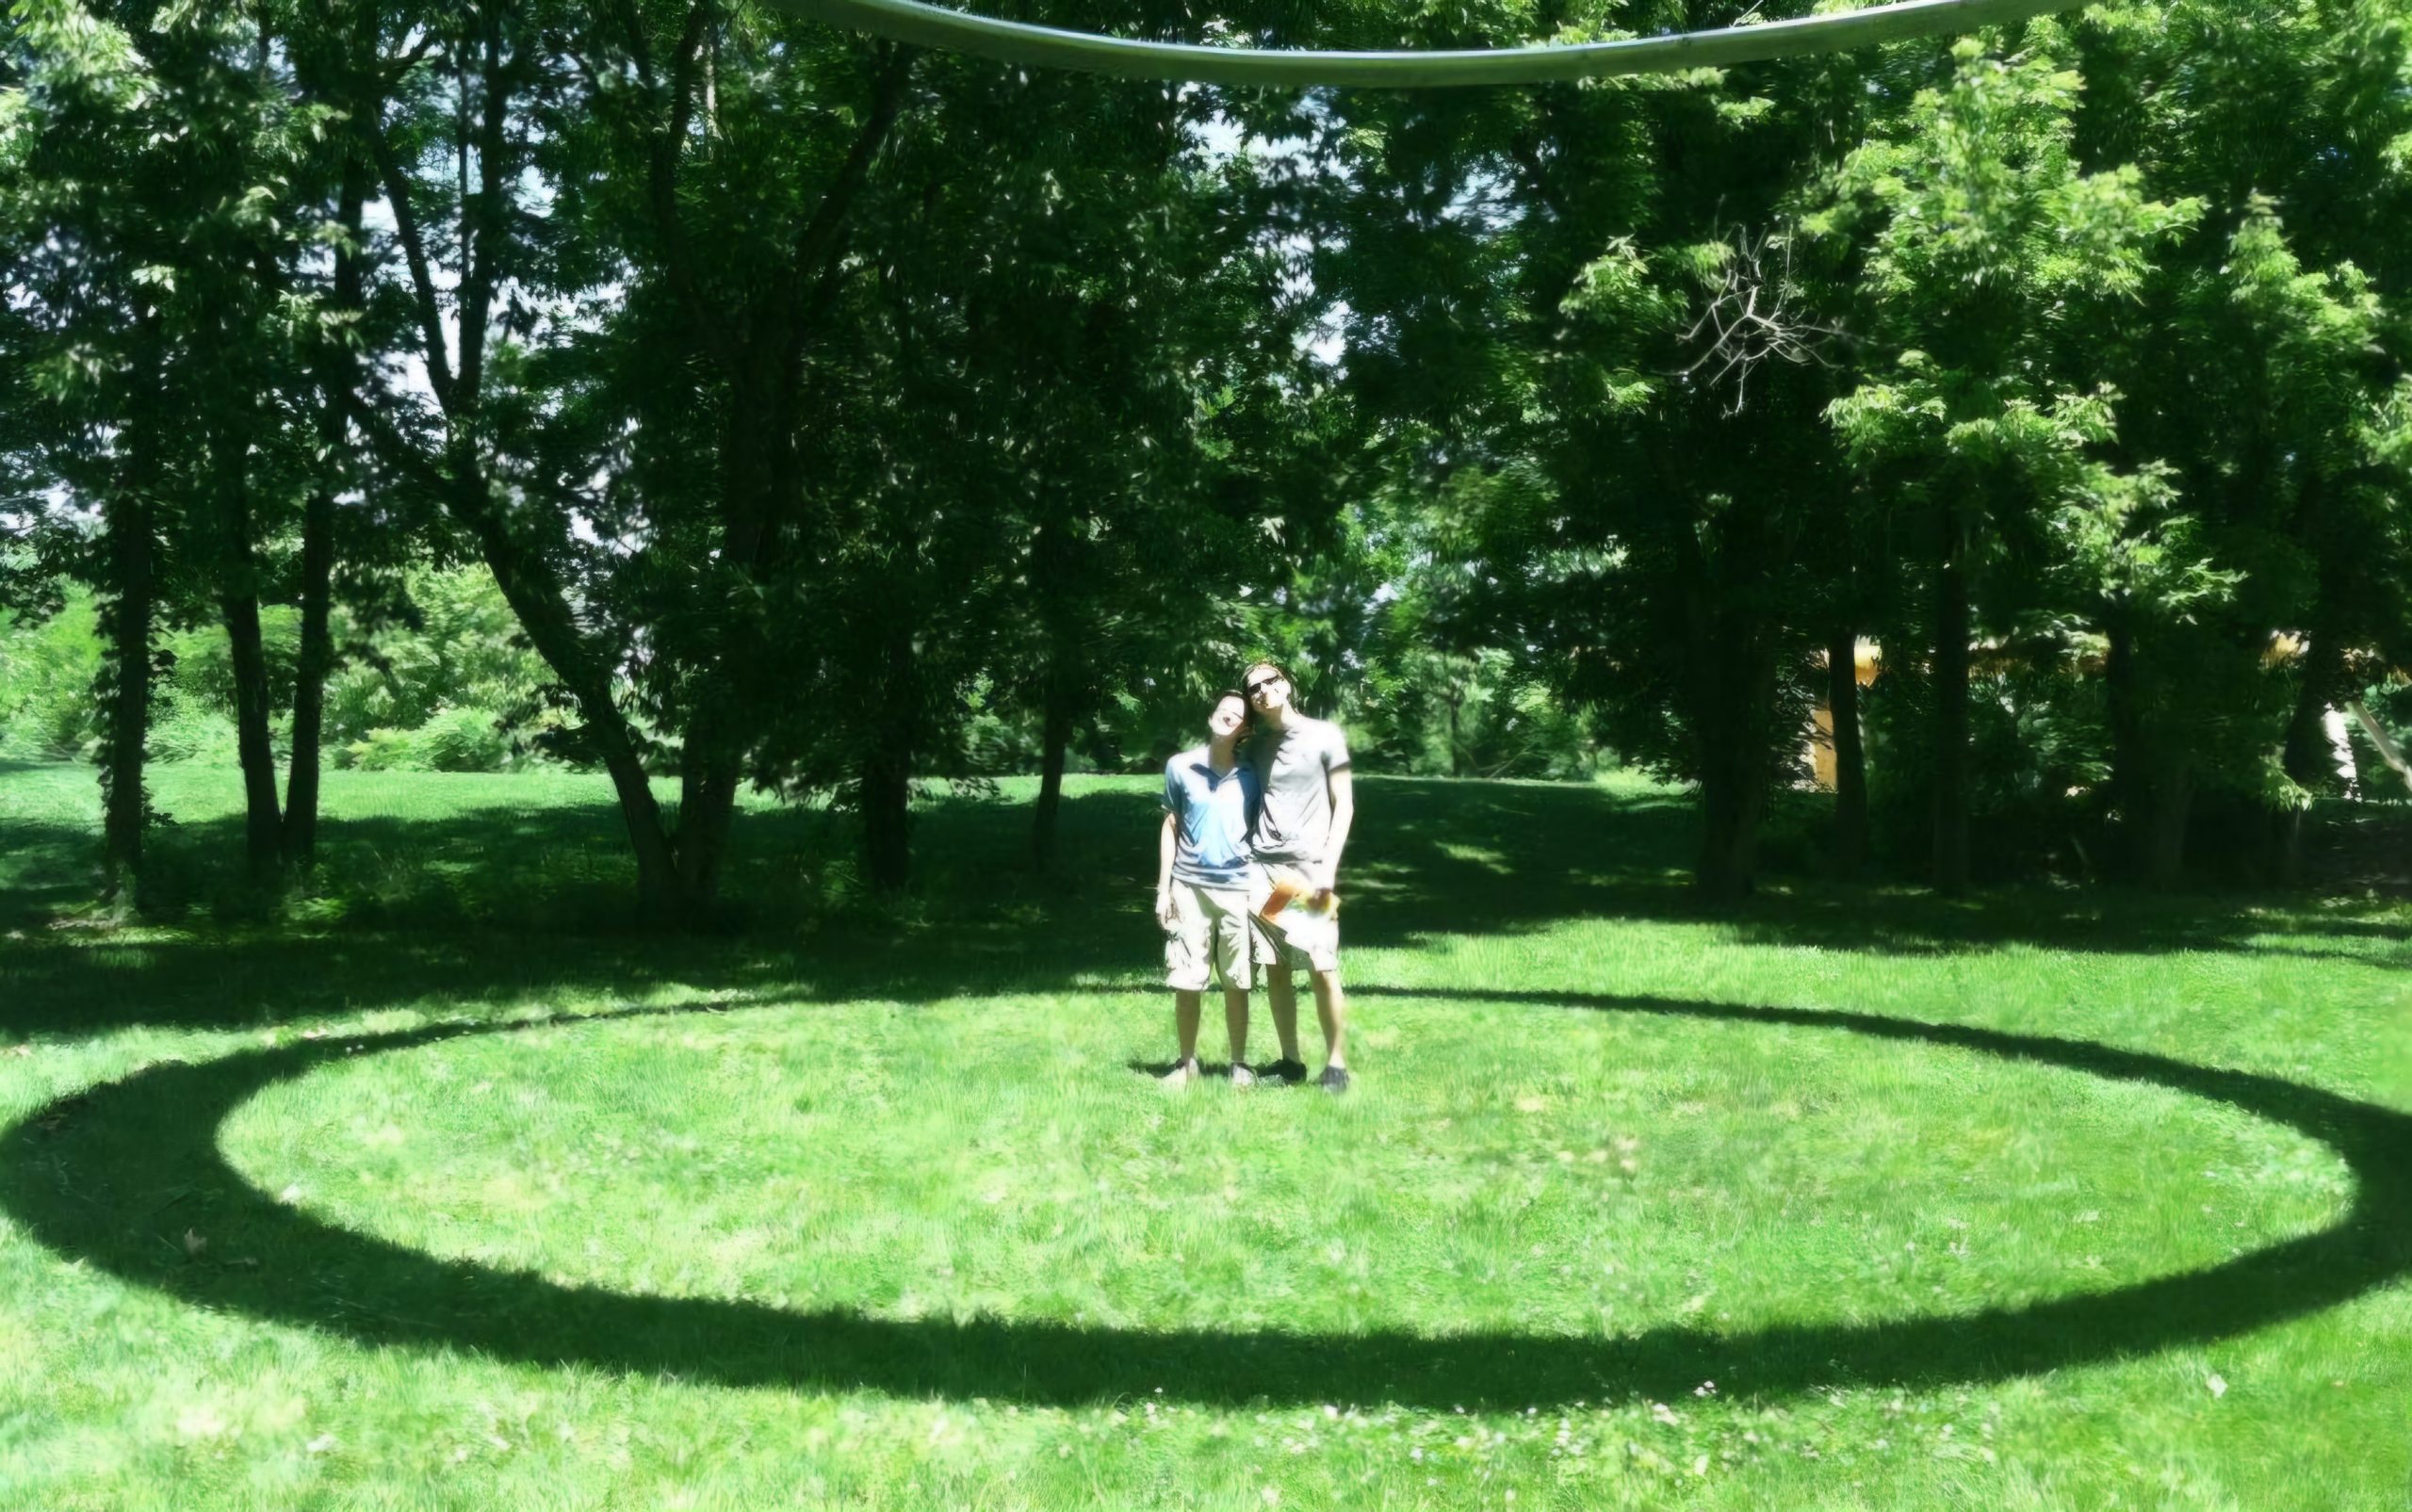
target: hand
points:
(1322, 879)
(1163, 906)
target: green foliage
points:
(451, 739)
(827, 417)
(2040, 749)
(203, 678)
(47, 667)
(449, 642)
(442, 683)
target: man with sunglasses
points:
(1305, 804)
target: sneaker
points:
(1285, 1073)
(1242, 1076)
(1334, 1079)
(1182, 1074)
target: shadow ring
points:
(80, 1190)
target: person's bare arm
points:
(1167, 843)
(1344, 813)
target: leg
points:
(1332, 1006)
(1283, 994)
(1186, 944)
(1185, 1012)
(1235, 1022)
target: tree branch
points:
(488, 248)
(822, 241)
(398, 194)
(677, 261)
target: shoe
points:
(1334, 1079)
(1182, 1074)
(1242, 1076)
(1285, 1073)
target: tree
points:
(168, 247)
(1988, 253)
(2263, 363)
(1595, 302)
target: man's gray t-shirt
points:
(1293, 766)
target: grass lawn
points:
(453, 1189)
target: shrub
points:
(465, 740)
(383, 750)
(186, 730)
(453, 739)
(47, 665)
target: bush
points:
(46, 670)
(454, 739)
(383, 750)
(1470, 716)
(465, 740)
(188, 731)
(2038, 754)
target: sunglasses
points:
(1260, 685)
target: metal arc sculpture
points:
(1014, 41)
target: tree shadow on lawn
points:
(506, 902)
(106, 1176)
(45, 870)
(1443, 855)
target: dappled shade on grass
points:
(499, 886)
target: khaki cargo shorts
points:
(1209, 940)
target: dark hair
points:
(1247, 715)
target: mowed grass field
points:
(453, 1187)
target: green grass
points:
(449, 1188)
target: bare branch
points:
(487, 233)
(398, 194)
(1753, 315)
(822, 241)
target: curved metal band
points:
(1013, 42)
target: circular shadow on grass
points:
(113, 1177)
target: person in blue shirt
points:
(1204, 875)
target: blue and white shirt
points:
(1211, 816)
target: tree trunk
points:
(1950, 727)
(298, 839)
(1731, 681)
(2172, 802)
(1733, 793)
(238, 607)
(888, 776)
(263, 824)
(2124, 714)
(1850, 760)
(707, 782)
(658, 892)
(2151, 783)
(316, 656)
(542, 613)
(537, 596)
(125, 693)
(2306, 758)
(1054, 742)
(887, 855)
